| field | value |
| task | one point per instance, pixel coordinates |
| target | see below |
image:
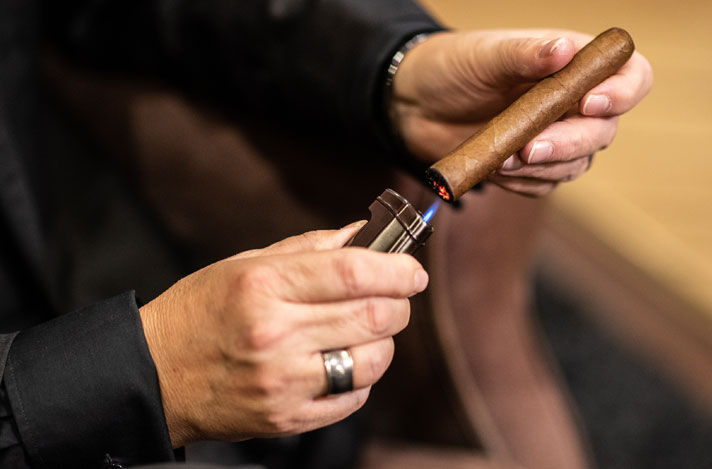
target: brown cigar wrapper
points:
(529, 115)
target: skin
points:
(454, 82)
(237, 345)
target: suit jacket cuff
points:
(84, 385)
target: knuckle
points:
(312, 239)
(278, 423)
(349, 269)
(260, 334)
(270, 385)
(510, 52)
(581, 143)
(272, 392)
(408, 263)
(246, 254)
(377, 319)
(569, 141)
(254, 278)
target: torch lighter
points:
(395, 226)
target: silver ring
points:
(339, 366)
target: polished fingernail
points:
(421, 280)
(540, 152)
(512, 163)
(355, 225)
(596, 104)
(548, 49)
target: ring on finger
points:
(339, 366)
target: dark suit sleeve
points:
(310, 61)
(12, 454)
(83, 386)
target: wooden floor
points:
(647, 198)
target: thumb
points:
(320, 240)
(515, 60)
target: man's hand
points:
(238, 344)
(455, 82)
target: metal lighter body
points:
(395, 226)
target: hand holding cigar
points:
(526, 117)
(452, 85)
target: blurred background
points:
(624, 270)
(622, 267)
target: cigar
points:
(529, 115)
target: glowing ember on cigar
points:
(440, 186)
(442, 191)
(431, 211)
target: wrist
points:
(179, 430)
(389, 96)
(397, 60)
(391, 114)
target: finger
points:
(334, 325)
(370, 362)
(620, 92)
(310, 241)
(345, 274)
(323, 411)
(523, 186)
(310, 414)
(569, 139)
(552, 172)
(518, 60)
(316, 240)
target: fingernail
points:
(596, 104)
(354, 225)
(540, 152)
(512, 163)
(421, 280)
(547, 50)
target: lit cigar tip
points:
(439, 185)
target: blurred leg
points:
(481, 285)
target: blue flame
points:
(431, 211)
